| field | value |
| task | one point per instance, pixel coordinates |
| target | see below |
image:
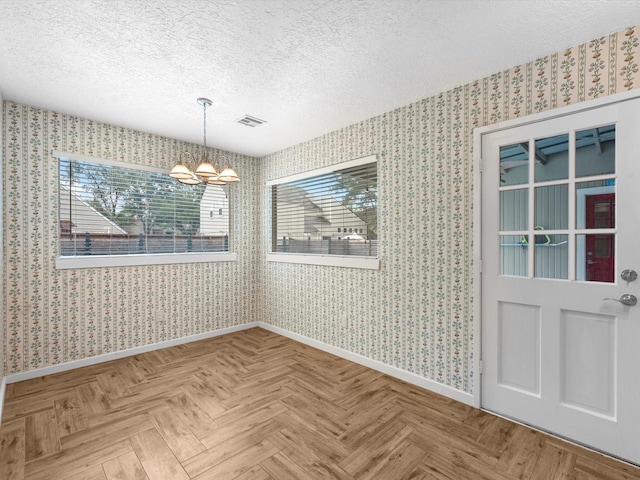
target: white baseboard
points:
(409, 377)
(3, 389)
(106, 357)
(396, 372)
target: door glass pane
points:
(596, 204)
(514, 164)
(513, 255)
(552, 210)
(552, 158)
(595, 151)
(595, 258)
(514, 209)
(552, 256)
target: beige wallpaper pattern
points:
(416, 313)
(54, 316)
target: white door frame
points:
(477, 213)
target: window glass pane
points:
(601, 209)
(595, 151)
(514, 209)
(552, 256)
(596, 204)
(552, 158)
(330, 214)
(552, 210)
(514, 164)
(513, 255)
(111, 210)
(595, 258)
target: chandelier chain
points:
(204, 106)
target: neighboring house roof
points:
(320, 210)
(85, 217)
(333, 212)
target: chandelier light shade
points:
(228, 175)
(184, 172)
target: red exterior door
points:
(600, 248)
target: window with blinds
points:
(332, 211)
(114, 210)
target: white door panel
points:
(560, 222)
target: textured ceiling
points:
(307, 67)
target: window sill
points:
(97, 261)
(326, 260)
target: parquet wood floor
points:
(256, 405)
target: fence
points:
(363, 248)
(105, 244)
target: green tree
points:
(188, 199)
(357, 190)
(131, 197)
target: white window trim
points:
(102, 261)
(347, 261)
(103, 161)
(324, 170)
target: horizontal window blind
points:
(334, 213)
(114, 210)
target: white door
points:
(560, 227)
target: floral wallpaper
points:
(416, 313)
(2, 259)
(54, 316)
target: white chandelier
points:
(205, 172)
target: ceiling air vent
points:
(250, 121)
